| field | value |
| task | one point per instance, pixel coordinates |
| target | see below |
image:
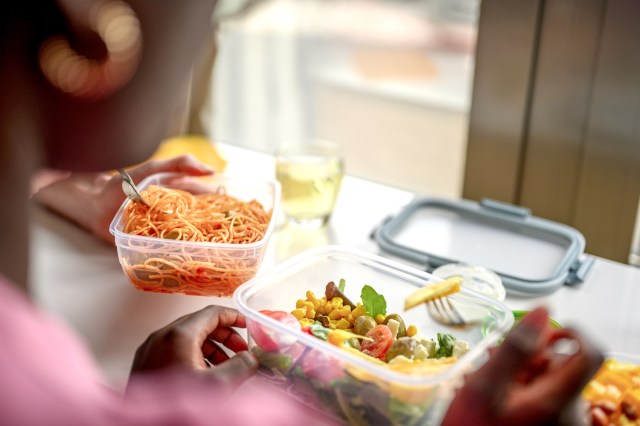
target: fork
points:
(130, 189)
(443, 311)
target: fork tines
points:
(443, 311)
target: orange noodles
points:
(200, 218)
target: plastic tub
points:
(221, 267)
(340, 383)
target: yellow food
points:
(380, 318)
(614, 393)
(440, 289)
(340, 315)
(412, 330)
(198, 146)
(339, 337)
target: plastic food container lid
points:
(531, 255)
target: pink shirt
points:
(49, 378)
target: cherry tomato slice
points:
(269, 339)
(382, 340)
(283, 317)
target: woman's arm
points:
(91, 200)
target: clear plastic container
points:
(225, 266)
(475, 277)
(338, 382)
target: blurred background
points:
(390, 81)
(534, 103)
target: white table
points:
(78, 278)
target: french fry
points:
(440, 289)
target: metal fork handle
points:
(130, 189)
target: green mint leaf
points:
(373, 301)
(342, 284)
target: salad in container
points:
(330, 326)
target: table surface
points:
(78, 278)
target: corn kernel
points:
(299, 313)
(309, 305)
(316, 304)
(346, 310)
(334, 314)
(358, 311)
(305, 322)
(311, 314)
(380, 318)
(300, 303)
(343, 324)
(310, 296)
(336, 302)
(412, 330)
(332, 325)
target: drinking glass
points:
(310, 173)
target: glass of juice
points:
(310, 173)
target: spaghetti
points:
(200, 218)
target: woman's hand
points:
(92, 199)
(188, 341)
(524, 382)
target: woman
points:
(89, 86)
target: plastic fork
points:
(130, 189)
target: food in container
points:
(355, 385)
(200, 235)
(613, 394)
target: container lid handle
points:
(505, 208)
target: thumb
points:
(235, 370)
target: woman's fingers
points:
(486, 390)
(230, 338)
(236, 369)
(213, 352)
(186, 341)
(496, 394)
(494, 379)
(204, 322)
(186, 164)
(553, 392)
